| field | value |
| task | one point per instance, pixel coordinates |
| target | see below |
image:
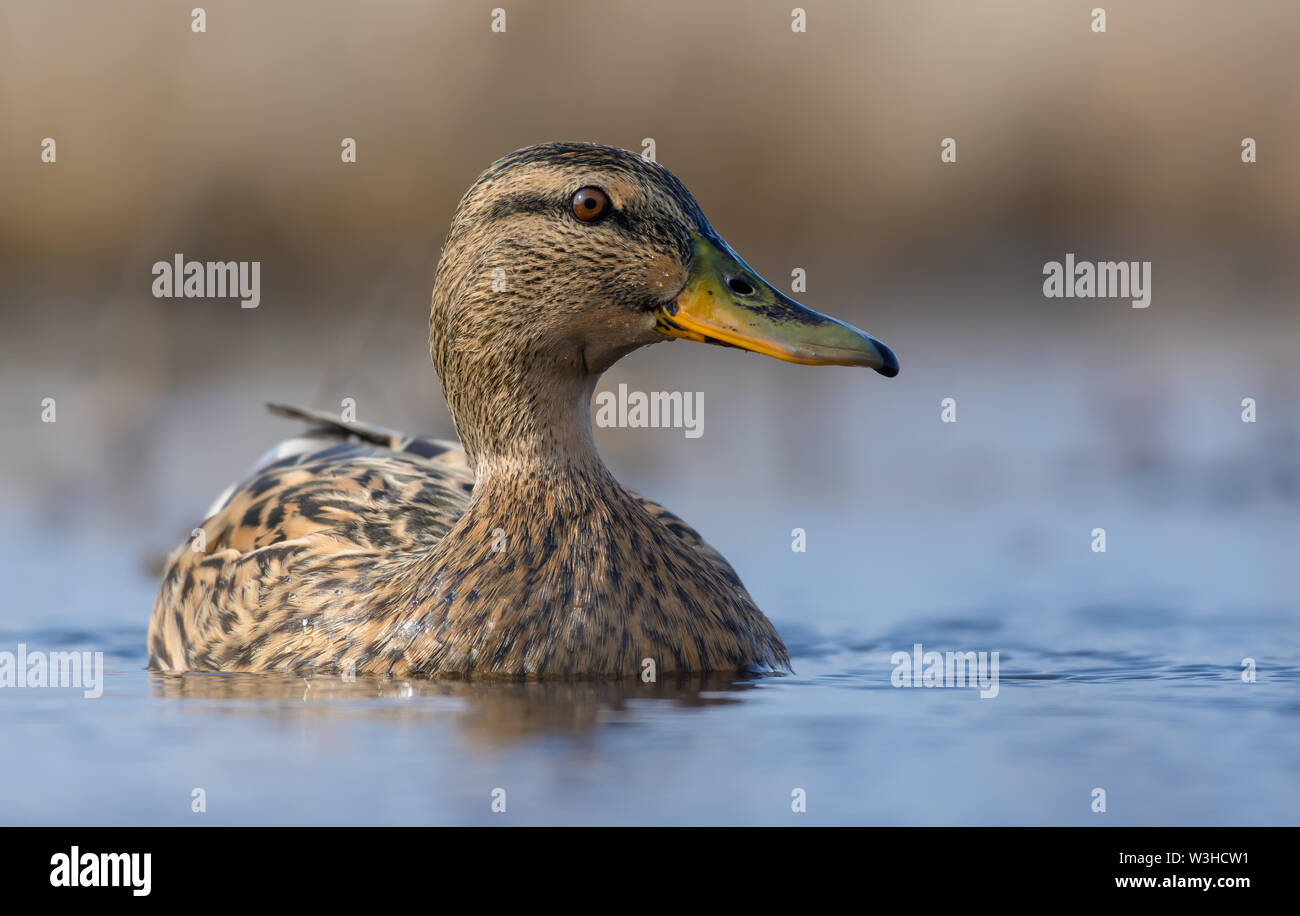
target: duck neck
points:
(544, 506)
(514, 423)
(541, 495)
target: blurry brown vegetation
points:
(818, 150)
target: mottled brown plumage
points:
(358, 549)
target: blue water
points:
(1119, 670)
(1170, 740)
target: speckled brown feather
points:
(372, 552)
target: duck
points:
(357, 550)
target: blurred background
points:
(818, 151)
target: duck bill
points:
(725, 302)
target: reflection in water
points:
(490, 712)
(1137, 700)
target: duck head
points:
(564, 257)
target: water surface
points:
(1118, 670)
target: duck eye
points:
(590, 204)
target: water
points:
(1172, 741)
(1143, 700)
(1120, 671)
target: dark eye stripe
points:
(523, 202)
(510, 204)
(637, 223)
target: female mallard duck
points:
(359, 550)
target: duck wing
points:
(317, 524)
(342, 505)
(328, 429)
